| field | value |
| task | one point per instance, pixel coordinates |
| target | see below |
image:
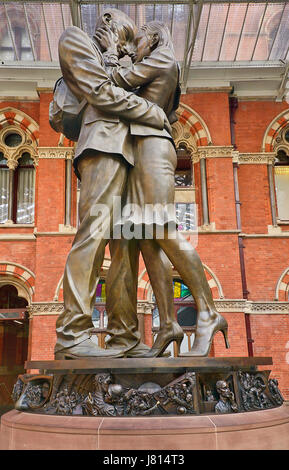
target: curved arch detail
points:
(282, 287)
(12, 116)
(58, 295)
(274, 128)
(20, 275)
(190, 129)
(145, 291)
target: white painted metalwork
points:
(242, 32)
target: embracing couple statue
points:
(120, 117)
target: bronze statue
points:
(125, 150)
(103, 155)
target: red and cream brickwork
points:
(35, 255)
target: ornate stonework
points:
(56, 152)
(212, 151)
(251, 307)
(13, 154)
(145, 307)
(265, 158)
(190, 130)
(45, 308)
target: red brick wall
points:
(213, 108)
(50, 261)
(43, 337)
(271, 338)
(220, 185)
(252, 119)
(48, 137)
(236, 335)
(255, 199)
(265, 258)
(220, 253)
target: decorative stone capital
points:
(45, 308)
(212, 151)
(12, 164)
(145, 307)
(67, 153)
(251, 307)
(67, 229)
(263, 158)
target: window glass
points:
(100, 292)
(4, 189)
(282, 191)
(25, 191)
(13, 139)
(186, 216)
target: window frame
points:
(283, 145)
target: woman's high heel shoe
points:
(203, 341)
(166, 335)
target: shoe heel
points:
(178, 342)
(225, 334)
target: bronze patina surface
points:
(142, 387)
(124, 149)
(160, 364)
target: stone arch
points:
(58, 295)
(282, 287)
(190, 129)
(14, 121)
(145, 291)
(273, 130)
(20, 277)
(14, 117)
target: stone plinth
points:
(257, 430)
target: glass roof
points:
(202, 31)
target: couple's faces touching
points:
(129, 41)
(136, 49)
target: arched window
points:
(17, 177)
(185, 308)
(9, 298)
(14, 326)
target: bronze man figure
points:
(103, 155)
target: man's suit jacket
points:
(110, 109)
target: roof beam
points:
(284, 84)
(187, 42)
(74, 8)
(189, 55)
(148, 2)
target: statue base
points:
(257, 430)
(158, 403)
(147, 387)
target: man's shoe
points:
(87, 349)
(138, 351)
(142, 350)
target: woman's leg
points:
(160, 273)
(188, 263)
